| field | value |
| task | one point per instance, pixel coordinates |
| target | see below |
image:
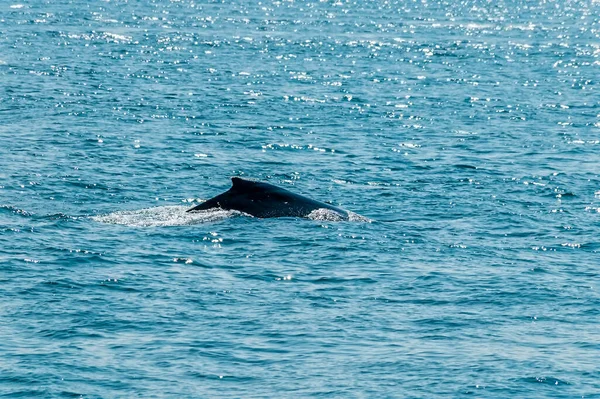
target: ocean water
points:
(466, 132)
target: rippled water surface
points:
(467, 132)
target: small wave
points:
(545, 380)
(161, 216)
(116, 37)
(15, 210)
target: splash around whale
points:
(245, 198)
(264, 200)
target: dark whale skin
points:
(264, 200)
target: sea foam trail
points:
(177, 215)
(171, 215)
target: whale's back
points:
(264, 200)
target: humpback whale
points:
(264, 200)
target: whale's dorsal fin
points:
(239, 183)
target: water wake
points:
(176, 215)
(160, 216)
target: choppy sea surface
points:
(467, 132)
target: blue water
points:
(468, 133)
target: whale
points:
(264, 200)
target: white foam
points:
(355, 217)
(176, 215)
(325, 214)
(333, 216)
(117, 37)
(160, 216)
